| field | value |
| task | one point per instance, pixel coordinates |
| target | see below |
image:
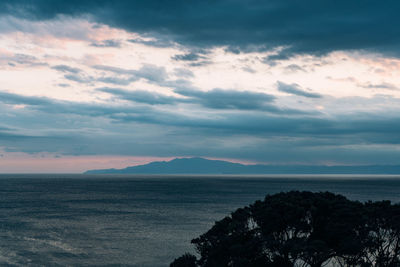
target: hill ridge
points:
(198, 165)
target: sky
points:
(109, 84)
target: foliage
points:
(186, 260)
(302, 229)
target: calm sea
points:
(78, 220)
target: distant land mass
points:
(206, 166)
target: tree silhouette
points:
(186, 260)
(383, 222)
(303, 229)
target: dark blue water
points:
(77, 220)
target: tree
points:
(383, 224)
(186, 260)
(304, 229)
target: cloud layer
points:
(308, 26)
(283, 82)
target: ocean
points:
(111, 220)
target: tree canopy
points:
(302, 229)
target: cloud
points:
(228, 99)
(24, 59)
(200, 63)
(159, 41)
(294, 89)
(113, 69)
(294, 68)
(383, 85)
(142, 96)
(4, 128)
(152, 73)
(68, 69)
(149, 72)
(73, 74)
(367, 85)
(78, 78)
(152, 43)
(84, 128)
(117, 80)
(358, 128)
(10, 98)
(183, 73)
(194, 59)
(188, 57)
(184, 119)
(107, 43)
(7, 136)
(248, 69)
(217, 99)
(281, 55)
(49, 105)
(308, 26)
(63, 85)
(213, 99)
(20, 59)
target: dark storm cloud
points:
(295, 89)
(310, 26)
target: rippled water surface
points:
(81, 220)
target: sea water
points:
(84, 220)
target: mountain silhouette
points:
(206, 166)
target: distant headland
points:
(206, 166)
